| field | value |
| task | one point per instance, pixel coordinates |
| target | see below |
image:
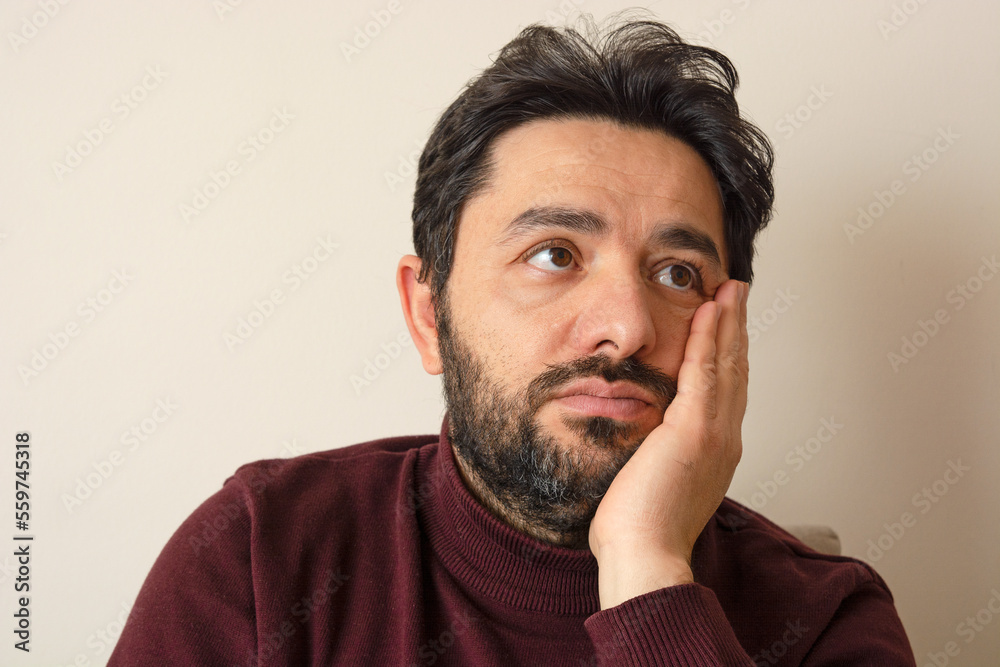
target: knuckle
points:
(732, 367)
(709, 371)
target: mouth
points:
(595, 397)
(599, 406)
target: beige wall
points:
(173, 90)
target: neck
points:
(511, 516)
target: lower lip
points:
(616, 408)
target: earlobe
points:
(418, 309)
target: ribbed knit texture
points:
(377, 554)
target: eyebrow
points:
(680, 235)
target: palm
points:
(662, 498)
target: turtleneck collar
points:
(493, 558)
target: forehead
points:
(633, 178)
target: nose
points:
(614, 314)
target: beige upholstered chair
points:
(820, 538)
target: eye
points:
(679, 276)
(550, 257)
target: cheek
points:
(671, 339)
(504, 338)
(524, 317)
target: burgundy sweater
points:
(377, 554)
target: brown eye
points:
(556, 256)
(678, 276)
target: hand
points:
(646, 525)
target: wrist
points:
(623, 576)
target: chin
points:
(598, 434)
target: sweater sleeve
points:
(679, 625)
(865, 630)
(196, 606)
(685, 625)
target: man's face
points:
(584, 258)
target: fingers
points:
(732, 344)
(715, 367)
(696, 378)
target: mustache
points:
(632, 370)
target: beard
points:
(534, 481)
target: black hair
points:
(637, 74)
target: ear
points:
(415, 298)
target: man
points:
(584, 222)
